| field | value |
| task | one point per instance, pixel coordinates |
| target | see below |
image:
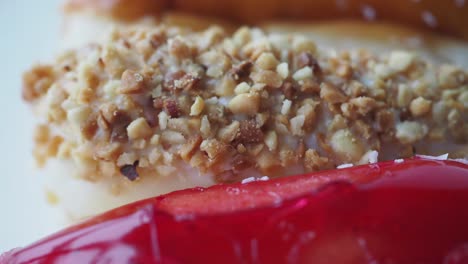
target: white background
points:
(29, 30)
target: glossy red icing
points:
(411, 212)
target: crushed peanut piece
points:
(331, 94)
(245, 104)
(408, 132)
(286, 106)
(132, 82)
(267, 61)
(420, 106)
(302, 74)
(400, 60)
(283, 70)
(242, 87)
(139, 128)
(197, 107)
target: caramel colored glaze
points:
(445, 16)
(194, 22)
(121, 9)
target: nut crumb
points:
(130, 171)
(132, 82)
(249, 132)
(286, 107)
(400, 60)
(242, 87)
(267, 61)
(197, 107)
(172, 108)
(229, 106)
(408, 132)
(306, 59)
(302, 74)
(283, 70)
(331, 94)
(245, 104)
(420, 106)
(139, 128)
(242, 70)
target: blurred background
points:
(29, 35)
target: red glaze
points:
(411, 212)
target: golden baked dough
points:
(444, 16)
(121, 9)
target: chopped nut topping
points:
(283, 70)
(139, 128)
(230, 106)
(172, 137)
(213, 148)
(450, 76)
(384, 120)
(288, 90)
(188, 149)
(404, 95)
(331, 94)
(242, 70)
(270, 78)
(363, 104)
(271, 140)
(242, 36)
(172, 108)
(229, 133)
(262, 118)
(205, 127)
(119, 122)
(297, 124)
(313, 161)
(178, 48)
(126, 158)
(155, 139)
(90, 126)
(306, 59)
(186, 82)
(400, 60)
(197, 106)
(286, 107)
(267, 61)
(344, 70)
(408, 132)
(383, 71)
(302, 44)
(420, 106)
(245, 104)
(303, 74)
(54, 145)
(37, 81)
(346, 146)
(41, 134)
(458, 128)
(242, 87)
(108, 152)
(130, 171)
(132, 82)
(249, 132)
